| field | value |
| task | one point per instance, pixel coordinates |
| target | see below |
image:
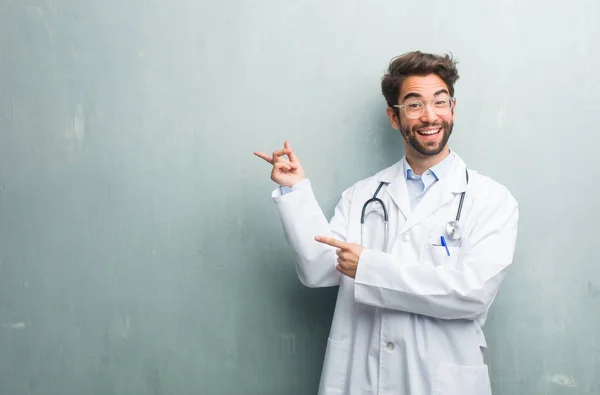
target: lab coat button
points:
(391, 346)
(406, 238)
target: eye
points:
(441, 103)
(414, 105)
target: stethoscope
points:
(453, 228)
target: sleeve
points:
(462, 290)
(302, 219)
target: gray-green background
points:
(139, 248)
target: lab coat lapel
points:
(440, 194)
(398, 192)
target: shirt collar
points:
(438, 170)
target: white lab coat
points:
(411, 322)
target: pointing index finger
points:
(331, 241)
(262, 155)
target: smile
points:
(428, 132)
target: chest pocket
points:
(437, 255)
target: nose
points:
(429, 115)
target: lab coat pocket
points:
(333, 377)
(440, 256)
(462, 380)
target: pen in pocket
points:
(443, 240)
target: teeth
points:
(429, 132)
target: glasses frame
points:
(452, 100)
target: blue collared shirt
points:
(418, 186)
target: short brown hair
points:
(417, 63)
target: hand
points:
(348, 255)
(285, 173)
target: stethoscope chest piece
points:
(453, 230)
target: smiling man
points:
(418, 250)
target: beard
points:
(428, 148)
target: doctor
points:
(417, 279)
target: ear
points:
(394, 121)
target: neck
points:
(421, 163)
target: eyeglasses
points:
(416, 108)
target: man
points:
(412, 299)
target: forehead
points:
(424, 85)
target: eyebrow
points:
(419, 96)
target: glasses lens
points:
(414, 108)
(442, 105)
